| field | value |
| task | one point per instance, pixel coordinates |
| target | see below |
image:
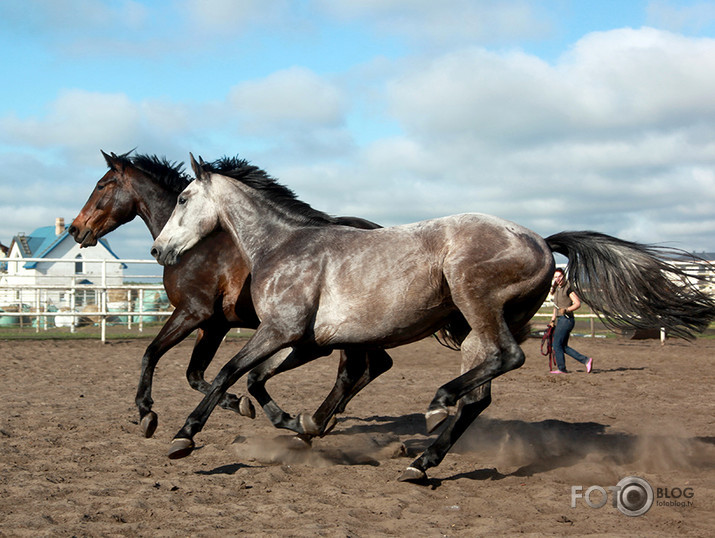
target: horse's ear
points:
(112, 160)
(196, 167)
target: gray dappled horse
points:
(317, 286)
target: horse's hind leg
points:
(207, 343)
(486, 355)
(469, 409)
(494, 352)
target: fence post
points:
(141, 309)
(45, 309)
(37, 309)
(129, 309)
(103, 303)
(73, 304)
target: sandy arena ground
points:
(73, 461)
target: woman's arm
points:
(575, 302)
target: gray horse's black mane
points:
(280, 195)
(166, 174)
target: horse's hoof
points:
(308, 425)
(412, 474)
(180, 448)
(301, 442)
(329, 427)
(435, 417)
(245, 407)
(149, 423)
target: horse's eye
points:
(182, 200)
(100, 187)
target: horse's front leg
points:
(356, 370)
(179, 325)
(207, 343)
(262, 344)
(284, 360)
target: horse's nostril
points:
(72, 231)
(155, 252)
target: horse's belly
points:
(369, 322)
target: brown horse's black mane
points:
(166, 174)
(280, 195)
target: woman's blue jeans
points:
(560, 344)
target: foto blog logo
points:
(633, 496)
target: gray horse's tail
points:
(631, 285)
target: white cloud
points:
(231, 16)
(76, 119)
(80, 123)
(290, 97)
(678, 17)
(620, 80)
(49, 20)
(642, 78)
(426, 22)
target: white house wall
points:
(56, 273)
(62, 273)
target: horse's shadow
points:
(619, 369)
(229, 469)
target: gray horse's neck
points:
(256, 224)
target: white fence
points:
(68, 302)
(38, 306)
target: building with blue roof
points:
(55, 262)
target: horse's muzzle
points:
(165, 256)
(85, 237)
(156, 252)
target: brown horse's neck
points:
(154, 205)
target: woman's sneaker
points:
(589, 366)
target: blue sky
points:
(559, 115)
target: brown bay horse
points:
(317, 286)
(210, 291)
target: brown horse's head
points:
(143, 185)
(112, 203)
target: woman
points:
(566, 302)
